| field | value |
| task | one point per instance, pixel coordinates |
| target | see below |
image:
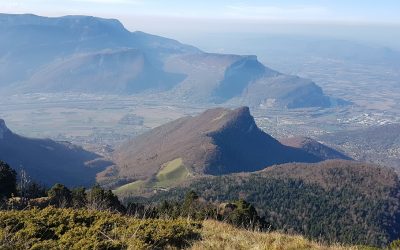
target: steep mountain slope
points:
(124, 71)
(287, 91)
(89, 54)
(336, 201)
(380, 144)
(314, 147)
(50, 162)
(30, 42)
(218, 141)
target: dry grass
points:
(217, 235)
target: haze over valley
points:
(156, 80)
(156, 124)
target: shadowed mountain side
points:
(314, 147)
(287, 91)
(243, 79)
(243, 147)
(50, 162)
(238, 76)
(30, 42)
(124, 71)
(218, 141)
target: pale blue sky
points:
(182, 19)
(284, 10)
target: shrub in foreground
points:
(53, 228)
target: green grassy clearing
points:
(172, 173)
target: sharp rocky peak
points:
(221, 119)
(3, 128)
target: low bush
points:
(53, 228)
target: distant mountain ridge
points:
(96, 55)
(127, 69)
(49, 162)
(218, 141)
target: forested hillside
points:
(336, 201)
(327, 202)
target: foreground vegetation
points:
(53, 228)
(217, 235)
(95, 218)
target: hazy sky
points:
(288, 10)
(180, 18)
